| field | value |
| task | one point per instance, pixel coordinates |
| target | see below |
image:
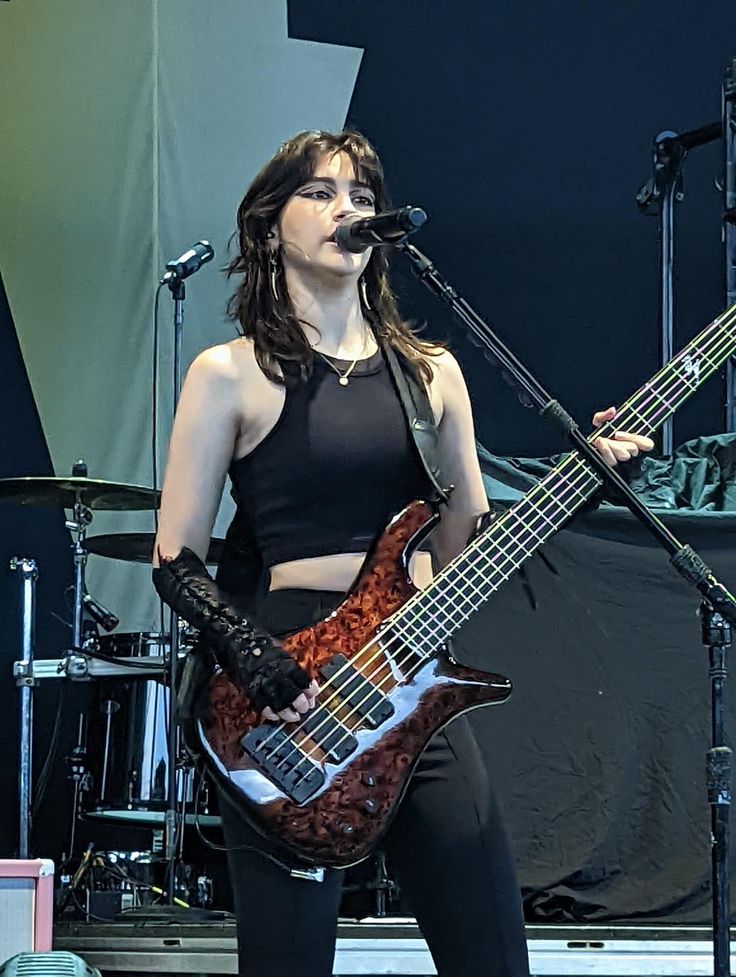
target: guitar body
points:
(324, 792)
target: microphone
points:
(99, 614)
(694, 137)
(191, 261)
(356, 234)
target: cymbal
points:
(138, 547)
(65, 492)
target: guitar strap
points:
(417, 409)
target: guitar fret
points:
(555, 500)
(512, 550)
(654, 395)
(625, 411)
(497, 573)
(499, 576)
(482, 578)
(671, 372)
(470, 591)
(485, 568)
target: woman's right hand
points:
(301, 705)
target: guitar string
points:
(377, 687)
(589, 485)
(689, 387)
(421, 599)
(513, 561)
(670, 371)
(621, 420)
(400, 632)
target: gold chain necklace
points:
(344, 378)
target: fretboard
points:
(434, 614)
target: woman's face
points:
(309, 218)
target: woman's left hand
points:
(623, 446)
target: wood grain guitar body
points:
(324, 790)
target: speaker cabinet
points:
(26, 906)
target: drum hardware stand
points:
(721, 604)
(79, 774)
(658, 195)
(67, 493)
(76, 663)
(383, 885)
(23, 672)
(67, 896)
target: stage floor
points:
(390, 946)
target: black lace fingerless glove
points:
(246, 653)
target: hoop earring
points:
(273, 268)
(364, 294)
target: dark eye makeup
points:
(318, 190)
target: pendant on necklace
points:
(344, 381)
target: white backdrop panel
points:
(131, 131)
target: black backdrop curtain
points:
(599, 757)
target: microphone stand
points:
(173, 818)
(728, 113)
(176, 271)
(718, 607)
(658, 195)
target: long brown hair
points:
(266, 313)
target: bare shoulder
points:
(447, 389)
(225, 361)
(227, 369)
(446, 364)
(441, 360)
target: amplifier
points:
(26, 905)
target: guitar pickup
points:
(330, 735)
(357, 692)
(283, 762)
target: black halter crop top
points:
(338, 463)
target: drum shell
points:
(127, 739)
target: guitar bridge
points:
(283, 762)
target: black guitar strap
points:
(419, 417)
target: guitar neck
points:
(668, 389)
(435, 614)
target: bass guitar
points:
(323, 790)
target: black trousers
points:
(446, 848)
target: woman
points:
(303, 415)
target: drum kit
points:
(127, 766)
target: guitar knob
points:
(347, 829)
(370, 805)
(368, 779)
